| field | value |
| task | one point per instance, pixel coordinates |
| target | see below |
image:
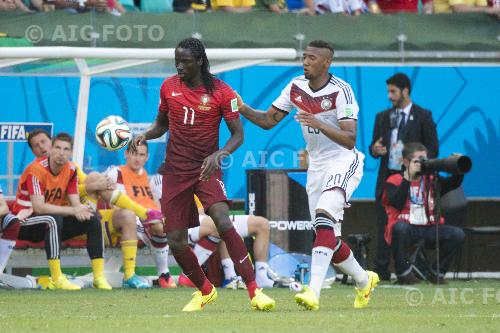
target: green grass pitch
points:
(472, 306)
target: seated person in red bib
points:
(409, 201)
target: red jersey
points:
(394, 215)
(194, 118)
(38, 179)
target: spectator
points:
(404, 122)
(349, 7)
(398, 6)
(189, 6)
(274, 6)
(464, 6)
(7, 5)
(409, 202)
(305, 7)
(13, 5)
(233, 6)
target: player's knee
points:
(123, 219)
(177, 241)
(221, 220)
(157, 230)
(262, 224)
(12, 227)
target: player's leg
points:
(231, 279)
(95, 245)
(336, 193)
(123, 221)
(9, 228)
(204, 238)
(178, 204)
(212, 195)
(159, 245)
(258, 227)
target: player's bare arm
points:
(40, 207)
(157, 129)
(265, 120)
(81, 212)
(213, 162)
(345, 136)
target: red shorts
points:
(177, 202)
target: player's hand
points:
(211, 163)
(378, 149)
(308, 119)
(137, 141)
(82, 212)
(24, 213)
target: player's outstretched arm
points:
(157, 129)
(213, 162)
(263, 119)
(345, 136)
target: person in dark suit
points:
(404, 122)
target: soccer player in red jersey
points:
(192, 105)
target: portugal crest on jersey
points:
(204, 99)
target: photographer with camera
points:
(409, 200)
(404, 122)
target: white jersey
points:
(332, 104)
(155, 184)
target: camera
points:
(455, 164)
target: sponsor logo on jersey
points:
(326, 104)
(234, 105)
(298, 99)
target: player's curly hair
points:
(198, 51)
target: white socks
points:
(321, 258)
(193, 235)
(261, 278)
(351, 267)
(228, 266)
(202, 254)
(6, 247)
(161, 259)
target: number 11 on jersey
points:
(187, 112)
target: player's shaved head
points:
(323, 48)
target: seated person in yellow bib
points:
(96, 186)
(132, 179)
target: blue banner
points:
(464, 102)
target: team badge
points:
(326, 104)
(204, 100)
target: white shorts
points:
(343, 172)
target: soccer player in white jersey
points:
(205, 240)
(327, 113)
